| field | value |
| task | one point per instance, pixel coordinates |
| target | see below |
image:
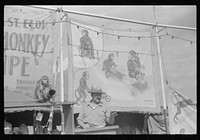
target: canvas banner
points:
(120, 62)
(28, 48)
(182, 114)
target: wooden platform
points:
(101, 130)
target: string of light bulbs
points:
(117, 35)
(109, 50)
(172, 37)
(5, 49)
(98, 32)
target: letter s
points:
(9, 20)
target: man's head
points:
(96, 97)
(96, 93)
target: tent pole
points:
(70, 71)
(61, 73)
(161, 73)
(34, 121)
(70, 61)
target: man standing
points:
(95, 113)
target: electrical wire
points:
(117, 35)
(126, 30)
(54, 22)
(191, 41)
(164, 70)
(111, 50)
(123, 20)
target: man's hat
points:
(96, 89)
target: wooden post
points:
(70, 117)
(34, 121)
(61, 72)
(70, 61)
(161, 73)
(67, 114)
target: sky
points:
(179, 56)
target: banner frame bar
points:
(120, 19)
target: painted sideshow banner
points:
(121, 66)
(28, 48)
(182, 114)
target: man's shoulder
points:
(103, 105)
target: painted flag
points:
(182, 114)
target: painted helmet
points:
(133, 53)
(111, 55)
(85, 73)
(86, 31)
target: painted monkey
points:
(42, 88)
(181, 104)
(108, 64)
(134, 66)
(82, 88)
(86, 45)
